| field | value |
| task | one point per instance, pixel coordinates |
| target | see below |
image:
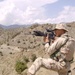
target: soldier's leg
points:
(47, 63)
(35, 66)
(38, 63)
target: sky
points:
(36, 11)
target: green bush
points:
(20, 66)
(26, 59)
(33, 57)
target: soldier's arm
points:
(56, 45)
(48, 43)
(46, 40)
(46, 46)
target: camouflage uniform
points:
(66, 55)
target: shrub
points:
(29, 47)
(18, 41)
(23, 40)
(31, 42)
(20, 66)
(1, 48)
(34, 46)
(24, 43)
(33, 57)
(8, 44)
(33, 36)
(26, 59)
(1, 53)
(10, 53)
(12, 40)
(38, 44)
(9, 48)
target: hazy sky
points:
(36, 11)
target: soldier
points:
(64, 44)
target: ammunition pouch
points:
(56, 55)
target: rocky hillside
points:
(18, 44)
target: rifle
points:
(48, 32)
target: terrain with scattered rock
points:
(20, 45)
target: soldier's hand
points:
(46, 39)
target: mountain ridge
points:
(13, 26)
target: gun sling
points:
(57, 52)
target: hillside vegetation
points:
(19, 48)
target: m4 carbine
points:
(48, 33)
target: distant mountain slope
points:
(1, 31)
(13, 26)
